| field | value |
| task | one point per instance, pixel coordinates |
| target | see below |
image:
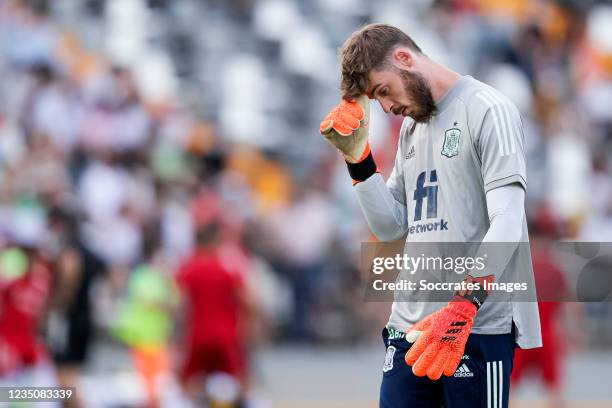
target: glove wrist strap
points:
(477, 297)
(362, 170)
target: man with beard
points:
(459, 176)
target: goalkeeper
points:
(459, 175)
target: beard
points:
(418, 91)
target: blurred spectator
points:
(216, 312)
(144, 323)
(116, 120)
(52, 110)
(25, 283)
(549, 360)
(70, 322)
(299, 237)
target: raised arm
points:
(383, 204)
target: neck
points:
(440, 79)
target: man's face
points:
(403, 93)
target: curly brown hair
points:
(368, 49)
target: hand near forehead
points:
(346, 127)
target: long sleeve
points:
(384, 204)
(506, 210)
(385, 215)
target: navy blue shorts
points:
(482, 379)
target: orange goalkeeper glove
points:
(439, 339)
(346, 127)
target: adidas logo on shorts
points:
(463, 371)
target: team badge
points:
(388, 366)
(450, 148)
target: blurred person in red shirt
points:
(548, 361)
(24, 290)
(215, 298)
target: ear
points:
(402, 58)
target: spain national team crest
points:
(450, 148)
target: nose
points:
(386, 105)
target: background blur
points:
(129, 127)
